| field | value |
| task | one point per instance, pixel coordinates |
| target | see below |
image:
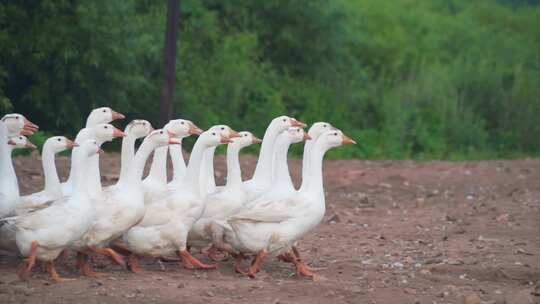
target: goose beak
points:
(233, 133)
(30, 126)
(194, 130)
(225, 140)
(26, 132)
(11, 142)
(297, 123)
(70, 144)
(100, 151)
(118, 133)
(256, 140)
(30, 145)
(347, 140)
(307, 137)
(116, 115)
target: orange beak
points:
(116, 115)
(307, 137)
(225, 139)
(194, 130)
(118, 133)
(233, 133)
(30, 126)
(71, 144)
(26, 132)
(11, 142)
(30, 145)
(347, 140)
(297, 123)
(256, 140)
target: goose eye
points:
(104, 111)
(214, 134)
(284, 119)
(106, 127)
(222, 128)
(59, 139)
(324, 126)
(16, 117)
(298, 130)
(161, 132)
(182, 122)
(335, 134)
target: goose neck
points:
(263, 170)
(52, 182)
(234, 174)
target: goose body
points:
(165, 226)
(275, 226)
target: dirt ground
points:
(394, 232)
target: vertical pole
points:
(169, 61)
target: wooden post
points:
(169, 61)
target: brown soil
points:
(395, 232)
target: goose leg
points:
(30, 261)
(133, 264)
(190, 261)
(254, 268)
(118, 259)
(301, 268)
(296, 253)
(49, 266)
(84, 266)
(238, 258)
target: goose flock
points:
(155, 218)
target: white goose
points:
(226, 201)
(121, 206)
(273, 228)
(206, 179)
(156, 181)
(102, 133)
(9, 188)
(262, 177)
(52, 189)
(164, 229)
(43, 234)
(98, 116)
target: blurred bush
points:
(448, 79)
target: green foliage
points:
(451, 79)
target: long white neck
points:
(126, 158)
(263, 171)
(94, 176)
(308, 147)
(84, 134)
(81, 163)
(52, 182)
(158, 169)
(194, 166)
(234, 174)
(207, 179)
(136, 169)
(178, 162)
(315, 177)
(8, 180)
(281, 176)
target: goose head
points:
(107, 132)
(245, 139)
(212, 138)
(282, 123)
(181, 128)
(102, 115)
(334, 138)
(20, 141)
(161, 138)
(295, 135)
(59, 143)
(319, 128)
(225, 131)
(138, 128)
(18, 124)
(90, 147)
